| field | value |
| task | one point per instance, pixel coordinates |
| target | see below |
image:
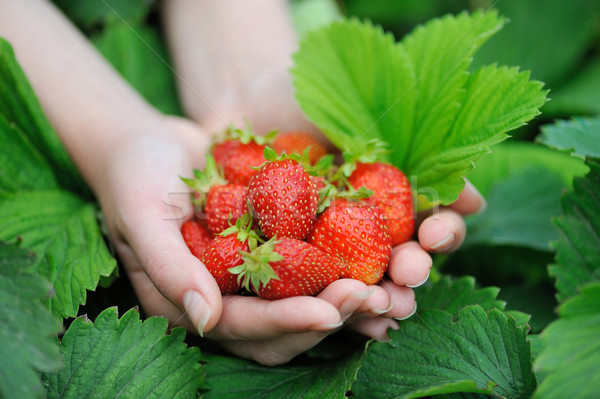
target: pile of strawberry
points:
(274, 215)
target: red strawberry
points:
(239, 163)
(222, 254)
(225, 252)
(391, 194)
(224, 205)
(220, 151)
(287, 267)
(354, 233)
(215, 200)
(196, 237)
(298, 142)
(284, 199)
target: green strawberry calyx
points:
(256, 270)
(203, 180)
(247, 134)
(244, 231)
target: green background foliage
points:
(455, 86)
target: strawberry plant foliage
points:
(572, 349)
(356, 83)
(481, 352)
(27, 329)
(125, 357)
(328, 379)
(41, 200)
(577, 259)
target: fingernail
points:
(409, 315)
(382, 311)
(327, 327)
(421, 283)
(197, 310)
(361, 294)
(445, 243)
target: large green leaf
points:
(548, 39)
(19, 106)
(572, 349)
(441, 52)
(481, 352)
(453, 295)
(580, 136)
(356, 84)
(497, 100)
(140, 56)
(27, 329)
(127, 358)
(577, 256)
(325, 379)
(62, 229)
(38, 200)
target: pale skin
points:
(131, 156)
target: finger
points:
(375, 328)
(469, 200)
(402, 299)
(409, 264)
(251, 318)
(177, 274)
(152, 301)
(442, 232)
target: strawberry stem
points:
(256, 270)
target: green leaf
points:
(356, 85)
(24, 168)
(453, 295)
(325, 379)
(548, 40)
(580, 136)
(89, 13)
(510, 157)
(519, 211)
(140, 56)
(338, 76)
(127, 358)
(497, 100)
(572, 349)
(62, 229)
(577, 256)
(19, 106)
(441, 52)
(481, 352)
(27, 329)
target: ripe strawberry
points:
(354, 233)
(391, 194)
(224, 205)
(216, 201)
(239, 164)
(284, 199)
(196, 237)
(298, 142)
(220, 151)
(225, 252)
(287, 267)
